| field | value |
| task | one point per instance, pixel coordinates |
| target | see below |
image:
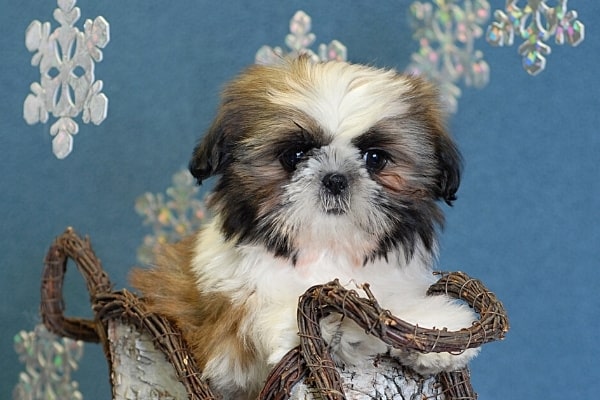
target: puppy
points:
(327, 170)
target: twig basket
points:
(121, 313)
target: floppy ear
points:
(426, 102)
(211, 154)
(449, 169)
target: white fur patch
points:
(346, 100)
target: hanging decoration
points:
(171, 218)
(535, 24)
(67, 86)
(299, 41)
(446, 31)
(49, 362)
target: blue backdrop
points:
(526, 221)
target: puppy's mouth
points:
(335, 211)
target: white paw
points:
(433, 363)
(348, 343)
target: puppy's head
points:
(329, 157)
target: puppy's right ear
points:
(211, 154)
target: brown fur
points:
(209, 323)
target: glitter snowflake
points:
(49, 362)
(299, 41)
(171, 218)
(536, 23)
(447, 55)
(67, 85)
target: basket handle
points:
(52, 307)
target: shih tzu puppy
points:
(327, 170)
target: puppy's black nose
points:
(335, 183)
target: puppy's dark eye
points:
(375, 159)
(290, 158)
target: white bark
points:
(385, 380)
(139, 370)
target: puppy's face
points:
(329, 157)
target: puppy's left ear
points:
(449, 169)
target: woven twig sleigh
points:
(135, 340)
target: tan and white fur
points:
(327, 170)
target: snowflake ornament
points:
(49, 362)
(446, 31)
(536, 23)
(299, 41)
(173, 218)
(67, 85)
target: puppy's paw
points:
(433, 363)
(348, 343)
(286, 341)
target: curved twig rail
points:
(110, 306)
(319, 301)
(125, 306)
(492, 325)
(70, 246)
(310, 362)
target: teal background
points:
(526, 221)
